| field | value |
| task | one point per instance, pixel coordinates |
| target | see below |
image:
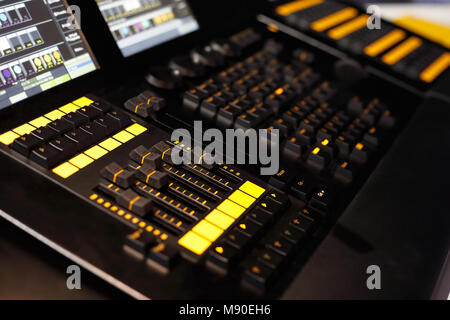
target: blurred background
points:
(429, 18)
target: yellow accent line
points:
(162, 156)
(130, 206)
(116, 174)
(348, 27)
(385, 42)
(144, 156)
(334, 19)
(436, 68)
(200, 159)
(272, 28)
(291, 7)
(137, 107)
(402, 50)
(149, 175)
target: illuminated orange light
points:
(279, 91)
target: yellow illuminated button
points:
(207, 230)
(123, 136)
(83, 102)
(68, 108)
(402, 50)
(81, 161)
(333, 19)
(348, 27)
(436, 68)
(219, 250)
(242, 198)
(136, 129)
(252, 189)
(232, 209)
(65, 170)
(110, 144)
(40, 122)
(96, 152)
(295, 6)
(194, 243)
(384, 42)
(8, 137)
(24, 129)
(54, 115)
(220, 219)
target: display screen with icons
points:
(137, 25)
(41, 46)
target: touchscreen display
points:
(41, 46)
(141, 24)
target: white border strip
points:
(98, 272)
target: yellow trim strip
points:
(291, 7)
(200, 158)
(333, 19)
(348, 27)
(402, 50)
(164, 152)
(144, 156)
(149, 175)
(137, 107)
(116, 174)
(130, 205)
(436, 68)
(385, 42)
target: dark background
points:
(31, 270)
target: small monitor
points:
(137, 25)
(41, 46)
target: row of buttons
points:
(211, 228)
(8, 138)
(82, 160)
(127, 216)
